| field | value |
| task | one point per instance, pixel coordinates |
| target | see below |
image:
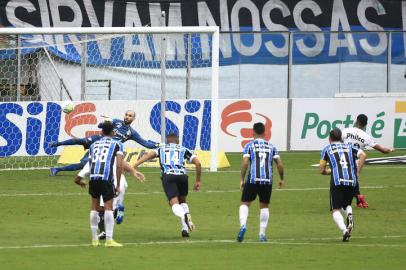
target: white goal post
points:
(213, 42)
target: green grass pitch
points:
(44, 223)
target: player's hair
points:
(107, 127)
(362, 119)
(172, 135)
(259, 128)
(130, 111)
(335, 135)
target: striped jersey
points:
(261, 154)
(172, 158)
(102, 155)
(343, 162)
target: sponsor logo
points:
(239, 112)
(399, 140)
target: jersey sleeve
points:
(137, 138)
(369, 141)
(120, 149)
(156, 150)
(189, 155)
(276, 153)
(323, 156)
(247, 150)
(85, 171)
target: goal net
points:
(105, 72)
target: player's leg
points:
(71, 167)
(361, 202)
(94, 214)
(118, 204)
(249, 193)
(108, 195)
(336, 203)
(171, 190)
(264, 192)
(348, 196)
(183, 189)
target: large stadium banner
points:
(268, 16)
(27, 128)
(312, 120)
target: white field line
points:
(229, 241)
(160, 192)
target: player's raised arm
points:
(149, 155)
(138, 175)
(135, 136)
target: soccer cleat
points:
(241, 233)
(112, 243)
(95, 243)
(120, 214)
(350, 224)
(102, 236)
(185, 233)
(362, 203)
(189, 223)
(262, 238)
(54, 171)
(346, 236)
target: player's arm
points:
(279, 166)
(119, 164)
(244, 167)
(198, 167)
(361, 161)
(137, 138)
(128, 168)
(324, 170)
(148, 156)
(383, 149)
(73, 141)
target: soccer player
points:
(122, 131)
(172, 157)
(118, 200)
(259, 156)
(102, 156)
(359, 139)
(344, 177)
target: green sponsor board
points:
(399, 140)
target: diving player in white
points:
(358, 138)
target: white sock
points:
(348, 210)
(243, 215)
(339, 220)
(263, 220)
(109, 224)
(185, 207)
(180, 212)
(94, 221)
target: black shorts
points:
(250, 192)
(102, 188)
(175, 185)
(341, 196)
